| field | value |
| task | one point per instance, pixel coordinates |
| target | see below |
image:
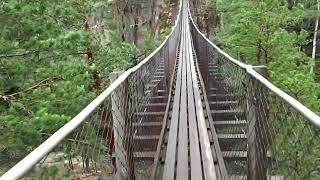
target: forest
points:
(281, 34)
(56, 56)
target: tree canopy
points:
(278, 34)
(52, 64)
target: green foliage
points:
(269, 32)
(116, 56)
(51, 172)
(296, 148)
(210, 10)
(45, 76)
(259, 32)
(164, 33)
(148, 43)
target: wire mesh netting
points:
(282, 142)
(261, 135)
(138, 110)
(118, 139)
(131, 111)
(85, 153)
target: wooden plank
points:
(158, 98)
(159, 154)
(214, 134)
(146, 137)
(232, 136)
(195, 159)
(216, 146)
(209, 171)
(144, 155)
(169, 167)
(155, 105)
(228, 111)
(235, 155)
(182, 158)
(146, 124)
(150, 113)
(231, 123)
(273, 177)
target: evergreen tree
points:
(263, 33)
(270, 32)
(52, 64)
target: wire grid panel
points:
(229, 99)
(148, 83)
(225, 84)
(85, 153)
(260, 135)
(107, 141)
(285, 145)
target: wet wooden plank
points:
(182, 159)
(195, 159)
(160, 153)
(209, 171)
(169, 167)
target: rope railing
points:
(263, 132)
(105, 137)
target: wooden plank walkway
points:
(188, 152)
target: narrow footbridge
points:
(187, 111)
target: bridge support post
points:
(171, 57)
(169, 63)
(257, 150)
(121, 130)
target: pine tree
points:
(52, 63)
(270, 32)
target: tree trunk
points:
(90, 57)
(221, 23)
(291, 4)
(159, 10)
(135, 30)
(152, 17)
(315, 39)
(258, 52)
(314, 48)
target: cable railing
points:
(263, 132)
(104, 140)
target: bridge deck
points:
(228, 134)
(188, 152)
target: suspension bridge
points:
(187, 111)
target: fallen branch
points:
(43, 82)
(18, 55)
(70, 140)
(33, 52)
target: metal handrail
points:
(22, 167)
(36, 155)
(303, 110)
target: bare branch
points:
(43, 82)
(71, 140)
(18, 55)
(33, 52)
